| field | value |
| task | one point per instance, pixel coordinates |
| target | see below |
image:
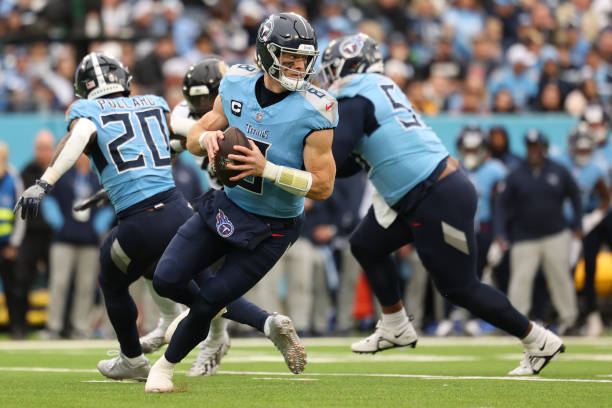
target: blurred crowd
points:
(474, 56)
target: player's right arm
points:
(203, 135)
(82, 133)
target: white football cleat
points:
(539, 353)
(286, 340)
(153, 340)
(172, 328)
(160, 377)
(384, 339)
(209, 357)
(119, 368)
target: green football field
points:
(452, 372)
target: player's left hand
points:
(252, 162)
(31, 198)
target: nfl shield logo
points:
(225, 228)
(258, 116)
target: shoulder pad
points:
(323, 102)
(243, 70)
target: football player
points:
(290, 125)
(126, 138)
(421, 197)
(595, 121)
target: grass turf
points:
(435, 374)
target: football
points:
(233, 136)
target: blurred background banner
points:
(19, 130)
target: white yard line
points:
(284, 374)
(309, 341)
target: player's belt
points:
(281, 223)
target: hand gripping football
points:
(233, 136)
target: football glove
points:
(31, 198)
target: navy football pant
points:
(441, 227)
(129, 251)
(195, 247)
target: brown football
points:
(233, 136)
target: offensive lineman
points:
(421, 198)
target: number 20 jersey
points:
(402, 151)
(131, 154)
(279, 130)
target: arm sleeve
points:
(356, 119)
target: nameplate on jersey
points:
(236, 108)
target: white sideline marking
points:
(426, 341)
(285, 379)
(355, 358)
(267, 373)
(422, 376)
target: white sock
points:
(217, 329)
(267, 326)
(168, 308)
(135, 360)
(396, 319)
(534, 334)
(164, 364)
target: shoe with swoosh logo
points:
(384, 339)
(539, 353)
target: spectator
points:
(33, 255)
(579, 13)
(11, 232)
(74, 251)
(148, 71)
(499, 147)
(550, 98)
(518, 77)
(531, 216)
(503, 102)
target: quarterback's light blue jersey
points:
(131, 154)
(586, 178)
(402, 151)
(279, 130)
(484, 178)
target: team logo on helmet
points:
(225, 228)
(351, 47)
(266, 29)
